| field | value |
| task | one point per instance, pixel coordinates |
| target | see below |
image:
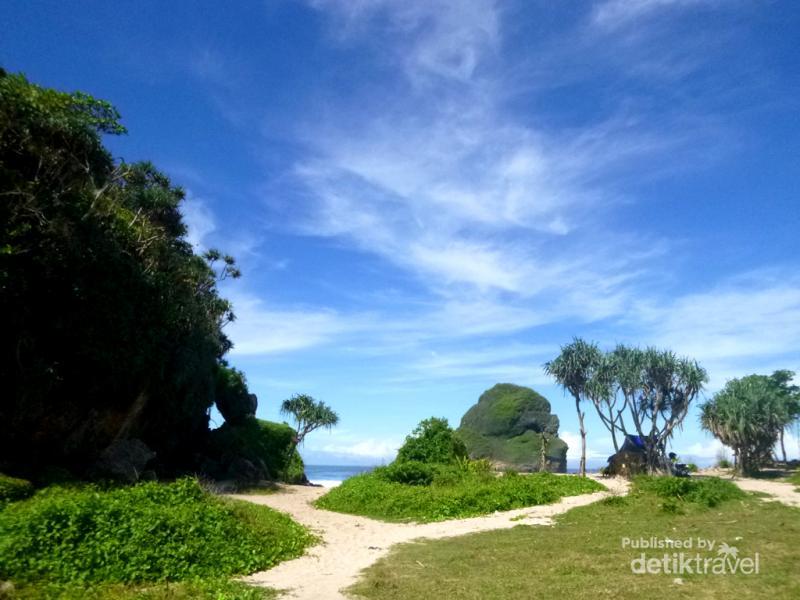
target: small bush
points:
(433, 441)
(672, 507)
(692, 468)
(724, 463)
(147, 532)
(708, 492)
(615, 501)
(372, 495)
(12, 488)
(412, 472)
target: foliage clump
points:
(433, 441)
(750, 415)
(147, 532)
(12, 488)
(460, 490)
(707, 491)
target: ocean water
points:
(330, 475)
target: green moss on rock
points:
(267, 445)
(509, 425)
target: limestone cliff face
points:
(513, 427)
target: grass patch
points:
(708, 492)
(582, 557)
(795, 479)
(453, 493)
(79, 537)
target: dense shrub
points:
(147, 532)
(411, 472)
(12, 488)
(709, 492)
(372, 495)
(260, 442)
(433, 441)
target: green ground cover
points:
(151, 540)
(443, 492)
(582, 556)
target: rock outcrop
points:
(513, 427)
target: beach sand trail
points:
(350, 543)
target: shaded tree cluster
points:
(643, 392)
(112, 325)
(750, 415)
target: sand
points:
(779, 491)
(351, 544)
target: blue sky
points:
(429, 197)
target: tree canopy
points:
(634, 391)
(433, 441)
(749, 415)
(309, 415)
(112, 326)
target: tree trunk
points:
(582, 469)
(783, 447)
(613, 431)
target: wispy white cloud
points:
(350, 447)
(750, 323)
(261, 329)
(199, 220)
(613, 14)
(448, 184)
(450, 38)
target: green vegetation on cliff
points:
(268, 446)
(509, 426)
(111, 323)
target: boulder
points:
(243, 471)
(237, 409)
(124, 460)
(512, 426)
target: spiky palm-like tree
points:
(573, 369)
(309, 414)
(748, 415)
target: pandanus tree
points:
(309, 415)
(790, 395)
(651, 389)
(573, 369)
(667, 387)
(748, 415)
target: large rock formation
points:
(512, 426)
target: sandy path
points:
(351, 544)
(779, 490)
